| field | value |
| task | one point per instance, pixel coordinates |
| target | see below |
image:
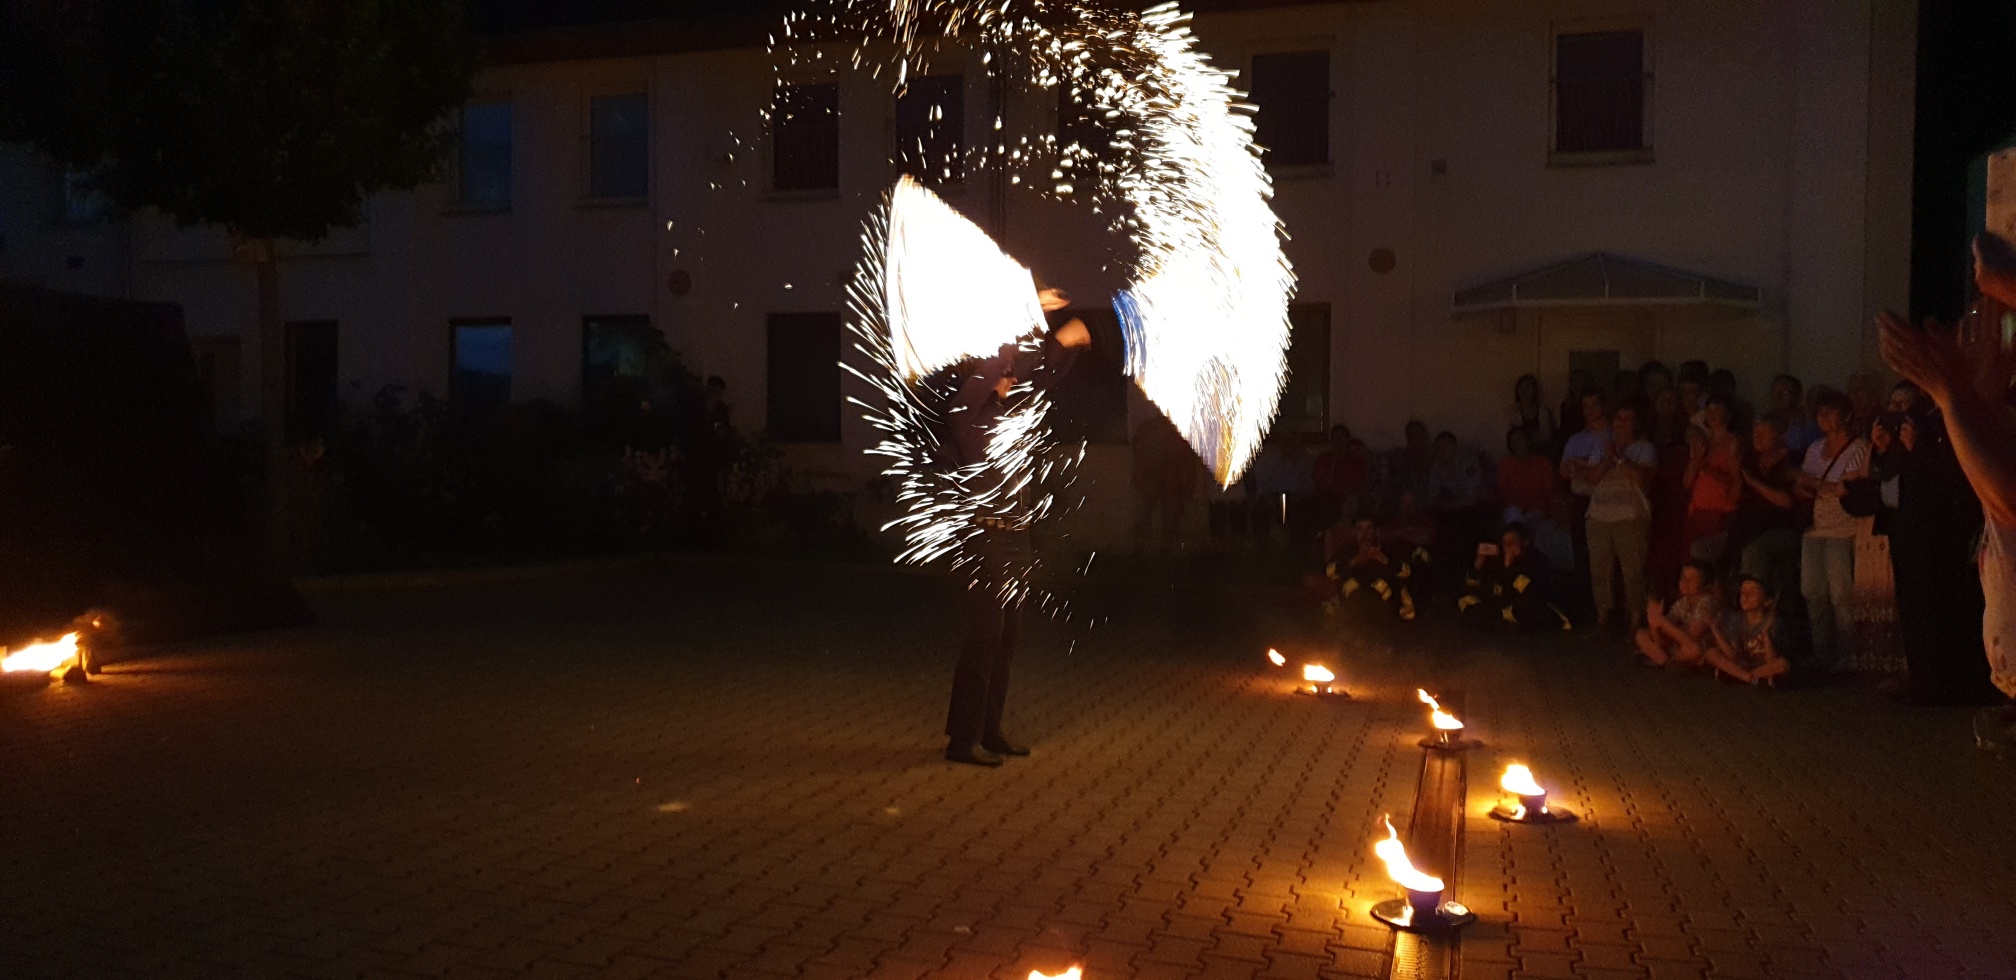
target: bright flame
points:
(44, 657)
(1518, 780)
(1279, 660)
(1317, 674)
(1398, 867)
(1074, 973)
(1444, 721)
(950, 293)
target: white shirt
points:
(1829, 520)
(1586, 446)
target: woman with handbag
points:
(1827, 552)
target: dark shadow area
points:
(113, 492)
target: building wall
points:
(1781, 142)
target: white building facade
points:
(1426, 154)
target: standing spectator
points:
(1620, 520)
(1577, 454)
(1693, 385)
(1164, 475)
(1967, 373)
(1714, 478)
(1722, 384)
(1282, 488)
(1227, 512)
(1866, 397)
(1827, 553)
(1932, 528)
(1654, 377)
(1626, 389)
(1531, 414)
(1525, 478)
(1788, 409)
(1764, 531)
(1407, 467)
(1580, 382)
(1341, 477)
(1668, 434)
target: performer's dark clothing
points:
(1938, 584)
(980, 681)
(1501, 598)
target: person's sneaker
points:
(1001, 746)
(972, 755)
(1995, 730)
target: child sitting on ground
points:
(1681, 631)
(1750, 645)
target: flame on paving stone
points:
(1317, 674)
(1444, 721)
(46, 657)
(1075, 973)
(1398, 868)
(1275, 656)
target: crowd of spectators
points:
(1662, 509)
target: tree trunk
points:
(273, 401)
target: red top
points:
(1527, 484)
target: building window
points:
(481, 357)
(1305, 400)
(82, 203)
(311, 379)
(217, 376)
(483, 156)
(803, 376)
(618, 145)
(1602, 92)
(805, 138)
(1292, 94)
(617, 355)
(931, 129)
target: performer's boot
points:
(971, 754)
(1000, 745)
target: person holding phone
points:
(1967, 372)
(1506, 589)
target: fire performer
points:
(988, 390)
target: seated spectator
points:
(1678, 632)
(1506, 590)
(1525, 478)
(1750, 644)
(1764, 530)
(1714, 480)
(1788, 410)
(1371, 585)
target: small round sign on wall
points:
(679, 281)
(1382, 260)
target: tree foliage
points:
(274, 118)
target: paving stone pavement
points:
(732, 771)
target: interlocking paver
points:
(730, 771)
